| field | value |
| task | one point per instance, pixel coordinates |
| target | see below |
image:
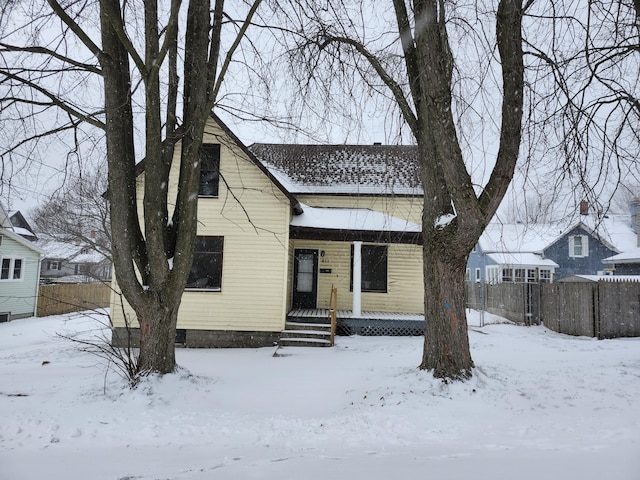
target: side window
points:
(507, 275)
(11, 269)
(209, 170)
(17, 269)
(477, 274)
(6, 268)
(206, 269)
(374, 268)
(545, 275)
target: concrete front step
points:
(303, 342)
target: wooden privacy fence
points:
(604, 309)
(517, 302)
(71, 297)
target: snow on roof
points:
(517, 237)
(352, 219)
(25, 232)
(630, 256)
(522, 259)
(89, 257)
(343, 169)
(601, 278)
(57, 249)
(20, 239)
(614, 231)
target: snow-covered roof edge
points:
(21, 240)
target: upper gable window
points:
(578, 246)
(209, 170)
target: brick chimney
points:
(584, 207)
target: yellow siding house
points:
(279, 225)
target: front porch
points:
(366, 324)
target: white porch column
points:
(357, 279)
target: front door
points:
(305, 278)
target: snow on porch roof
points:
(630, 256)
(516, 259)
(352, 219)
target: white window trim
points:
(12, 263)
(585, 246)
(493, 274)
(478, 277)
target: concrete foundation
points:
(202, 338)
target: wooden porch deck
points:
(348, 314)
(368, 323)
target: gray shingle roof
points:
(343, 169)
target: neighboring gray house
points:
(511, 253)
(542, 252)
(71, 263)
(628, 261)
(625, 263)
(19, 272)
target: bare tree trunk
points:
(446, 343)
(157, 338)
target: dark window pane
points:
(17, 268)
(209, 170)
(4, 274)
(374, 268)
(206, 270)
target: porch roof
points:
(522, 259)
(352, 224)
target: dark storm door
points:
(305, 278)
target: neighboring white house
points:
(19, 272)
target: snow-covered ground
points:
(540, 406)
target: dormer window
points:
(209, 170)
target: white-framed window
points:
(493, 274)
(11, 268)
(519, 274)
(54, 265)
(578, 246)
(477, 274)
(531, 275)
(545, 275)
(507, 274)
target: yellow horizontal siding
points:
(405, 284)
(253, 216)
